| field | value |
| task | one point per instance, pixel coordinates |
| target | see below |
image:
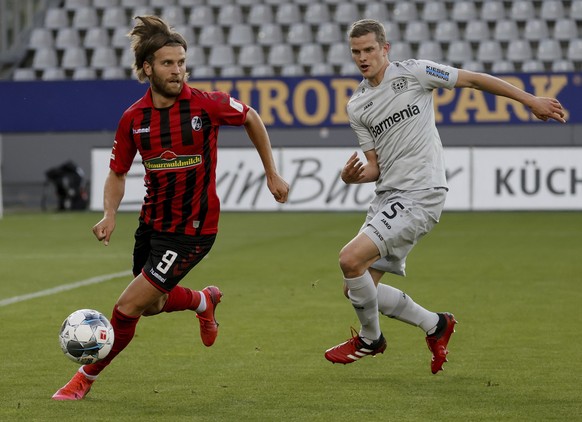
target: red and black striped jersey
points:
(178, 150)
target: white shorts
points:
(397, 220)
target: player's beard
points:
(167, 88)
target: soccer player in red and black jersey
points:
(174, 128)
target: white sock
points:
(396, 304)
(202, 306)
(89, 377)
(363, 295)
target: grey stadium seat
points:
(459, 51)
(74, 57)
(434, 11)
(45, 58)
(416, 31)
(270, 34)
(41, 38)
(241, 34)
(221, 55)
(103, 57)
(251, 55)
(519, 50)
(489, 51)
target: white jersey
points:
(396, 118)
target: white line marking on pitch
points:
(63, 288)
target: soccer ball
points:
(86, 336)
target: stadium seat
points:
(241, 34)
(392, 31)
(317, 13)
(76, 4)
(161, 3)
(195, 56)
(211, 35)
(85, 18)
(328, 33)
(506, 30)
(346, 13)
(519, 50)
(270, 34)
(230, 14)
(45, 59)
(74, 57)
(174, 15)
(260, 14)
(321, 69)
(56, 18)
(549, 50)
(533, 66)
(261, 71)
(476, 31)
(403, 12)
(574, 51)
(84, 73)
(464, 11)
(201, 16)
(349, 69)
(218, 3)
(127, 58)
(132, 4)
(400, 50)
(119, 37)
(310, 54)
(434, 11)
(96, 37)
(232, 71)
(280, 55)
(492, 11)
(24, 74)
(416, 31)
(293, 70)
(221, 55)
(204, 71)
(522, 10)
(563, 66)
(446, 31)
(288, 13)
(339, 54)
(473, 65)
(114, 73)
(459, 51)
(376, 10)
(41, 38)
(251, 55)
(190, 3)
(565, 29)
(53, 74)
(551, 10)
(114, 17)
(103, 57)
(430, 50)
(105, 4)
(299, 33)
(576, 10)
(503, 66)
(67, 38)
(535, 30)
(489, 51)
(187, 32)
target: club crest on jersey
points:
(399, 85)
(196, 123)
(170, 160)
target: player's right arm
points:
(355, 171)
(112, 195)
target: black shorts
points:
(165, 258)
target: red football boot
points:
(437, 342)
(208, 324)
(354, 349)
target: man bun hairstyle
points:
(368, 26)
(148, 35)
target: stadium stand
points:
(494, 36)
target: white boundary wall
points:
(479, 179)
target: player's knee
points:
(350, 265)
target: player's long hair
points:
(148, 35)
(368, 26)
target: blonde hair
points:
(368, 26)
(148, 35)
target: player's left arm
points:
(542, 107)
(259, 136)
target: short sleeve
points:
(124, 149)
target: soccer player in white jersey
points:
(392, 115)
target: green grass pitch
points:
(513, 280)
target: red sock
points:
(180, 299)
(124, 329)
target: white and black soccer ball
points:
(86, 336)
